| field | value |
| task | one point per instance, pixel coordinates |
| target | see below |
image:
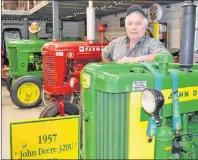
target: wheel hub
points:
(28, 93)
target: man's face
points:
(135, 26)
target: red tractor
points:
(62, 64)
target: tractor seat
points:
(174, 51)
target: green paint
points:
(105, 107)
(164, 141)
(35, 36)
(187, 141)
(118, 78)
(105, 131)
(19, 53)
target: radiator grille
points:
(48, 69)
(112, 126)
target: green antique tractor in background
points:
(25, 70)
(143, 110)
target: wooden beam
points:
(39, 6)
(108, 10)
(104, 2)
(61, 7)
(14, 12)
(72, 4)
(139, 1)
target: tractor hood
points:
(17, 43)
(73, 46)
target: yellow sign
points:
(48, 138)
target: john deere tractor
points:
(25, 70)
(143, 110)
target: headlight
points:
(152, 100)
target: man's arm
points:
(154, 48)
(157, 47)
(145, 58)
(108, 51)
(105, 60)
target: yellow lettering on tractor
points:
(185, 94)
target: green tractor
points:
(143, 110)
(25, 70)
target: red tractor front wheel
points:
(53, 111)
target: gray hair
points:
(145, 19)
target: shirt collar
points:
(138, 42)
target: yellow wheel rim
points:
(28, 93)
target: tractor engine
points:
(63, 62)
(35, 62)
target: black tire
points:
(53, 111)
(9, 83)
(14, 89)
(43, 98)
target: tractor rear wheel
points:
(9, 83)
(26, 92)
(53, 111)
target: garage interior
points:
(72, 24)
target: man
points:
(135, 47)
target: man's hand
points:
(128, 59)
(123, 60)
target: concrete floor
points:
(10, 113)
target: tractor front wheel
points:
(53, 111)
(26, 92)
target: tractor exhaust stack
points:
(90, 22)
(187, 36)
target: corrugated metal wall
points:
(81, 28)
(173, 16)
(70, 29)
(13, 24)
